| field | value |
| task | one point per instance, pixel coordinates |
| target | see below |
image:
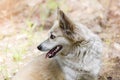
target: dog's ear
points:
(64, 22)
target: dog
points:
(73, 53)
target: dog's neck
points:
(72, 62)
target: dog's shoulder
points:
(40, 68)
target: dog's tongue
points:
(53, 51)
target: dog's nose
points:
(39, 47)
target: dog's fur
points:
(79, 59)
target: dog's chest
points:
(72, 70)
(70, 74)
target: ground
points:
(22, 29)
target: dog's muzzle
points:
(52, 52)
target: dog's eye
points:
(52, 36)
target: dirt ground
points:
(22, 29)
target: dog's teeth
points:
(55, 51)
(50, 54)
(57, 48)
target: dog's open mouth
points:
(53, 51)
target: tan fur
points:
(40, 69)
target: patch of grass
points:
(31, 25)
(17, 57)
(52, 4)
(41, 28)
(4, 72)
(19, 52)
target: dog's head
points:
(61, 36)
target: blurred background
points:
(24, 25)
